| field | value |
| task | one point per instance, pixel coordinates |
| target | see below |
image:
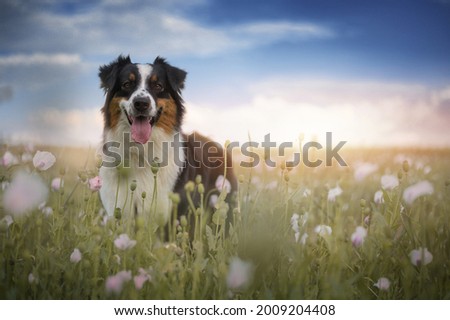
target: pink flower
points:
(358, 236)
(114, 284)
(417, 190)
(43, 160)
(76, 256)
(95, 183)
(141, 279)
(223, 184)
(420, 257)
(383, 284)
(123, 242)
(25, 193)
(333, 193)
(9, 159)
(57, 184)
(239, 274)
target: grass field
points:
(306, 233)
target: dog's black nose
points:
(141, 103)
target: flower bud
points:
(362, 203)
(133, 185)
(98, 162)
(406, 166)
(241, 178)
(155, 165)
(175, 197)
(183, 221)
(198, 179)
(144, 194)
(83, 176)
(189, 186)
(400, 175)
(118, 213)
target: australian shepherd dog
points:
(143, 143)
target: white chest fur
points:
(116, 192)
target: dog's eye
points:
(158, 87)
(126, 85)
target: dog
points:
(143, 115)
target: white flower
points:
(43, 160)
(25, 193)
(358, 236)
(27, 157)
(48, 211)
(271, 185)
(416, 190)
(57, 184)
(5, 184)
(420, 257)
(239, 274)
(301, 239)
(114, 284)
(32, 278)
(213, 200)
(364, 169)
(323, 230)
(9, 159)
(333, 193)
(123, 242)
(383, 284)
(6, 222)
(76, 256)
(222, 183)
(294, 222)
(389, 182)
(378, 197)
(306, 192)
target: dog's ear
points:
(108, 72)
(175, 76)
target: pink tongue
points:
(141, 130)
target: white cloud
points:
(61, 127)
(112, 28)
(274, 30)
(40, 59)
(362, 113)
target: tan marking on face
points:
(154, 78)
(168, 118)
(114, 111)
(132, 77)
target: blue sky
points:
(372, 72)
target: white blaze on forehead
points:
(144, 71)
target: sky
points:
(374, 73)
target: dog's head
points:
(140, 97)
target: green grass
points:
(327, 267)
